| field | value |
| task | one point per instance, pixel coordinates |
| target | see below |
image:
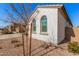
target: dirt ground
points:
(13, 46)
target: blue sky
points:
(71, 9)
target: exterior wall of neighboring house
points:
(9, 28)
(52, 22)
(0, 31)
(18, 28)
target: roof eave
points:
(68, 19)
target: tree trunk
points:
(23, 44)
(30, 39)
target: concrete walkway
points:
(6, 36)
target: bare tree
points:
(22, 14)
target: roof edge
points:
(68, 19)
(47, 6)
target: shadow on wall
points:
(68, 34)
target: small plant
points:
(46, 45)
(18, 45)
(73, 47)
(0, 47)
(14, 41)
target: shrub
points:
(18, 45)
(6, 31)
(14, 41)
(73, 47)
(0, 47)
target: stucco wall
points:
(61, 27)
(52, 17)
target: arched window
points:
(43, 24)
(34, 26)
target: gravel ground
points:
(7, 36)
(13, 47)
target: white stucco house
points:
(49, 22)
